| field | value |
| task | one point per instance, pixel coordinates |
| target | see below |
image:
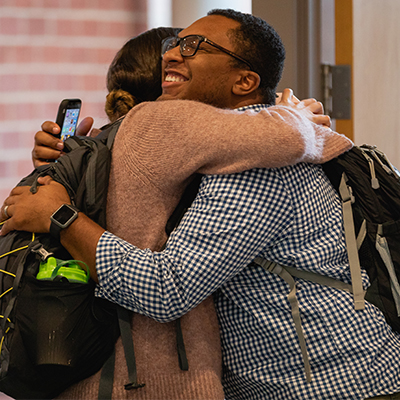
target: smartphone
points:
(67, 117)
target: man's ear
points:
(247, 82)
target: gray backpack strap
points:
(287, 274)
(351, 244)
(106, 383)
(180, 346)
(281, 271)
(72, 142)
(124, 319)
(113, 132)
(108, 132)
(382, 246)
(107, 373)
(320, 279)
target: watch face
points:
(63, 215)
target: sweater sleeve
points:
(217, 141)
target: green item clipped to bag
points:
(55, 269)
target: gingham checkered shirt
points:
(290, 215)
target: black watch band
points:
(62, 218)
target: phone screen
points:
(69, 123)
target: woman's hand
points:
(311, 108)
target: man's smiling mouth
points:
(171, 77)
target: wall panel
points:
(376, 34)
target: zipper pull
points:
(374, 180)
(388, 165)
(35, 184)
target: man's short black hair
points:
(257, 42)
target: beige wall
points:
(307, 31)
(377, 75)
(282, 15)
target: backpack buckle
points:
(41, 251)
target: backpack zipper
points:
(374, 180)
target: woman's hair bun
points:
(118, 103)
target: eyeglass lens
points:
(168, 44)
(188, 45)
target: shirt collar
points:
(254, 107)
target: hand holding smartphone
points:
(67, 117)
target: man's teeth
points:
(171, 78)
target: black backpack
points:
(55, 333)
(369, 187)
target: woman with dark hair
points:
(134, 76)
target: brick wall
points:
(51, 50)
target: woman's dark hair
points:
(257, 42)
(134, 75)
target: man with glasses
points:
(290, 215)
(210, 82)
(189, 45)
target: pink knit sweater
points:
(158, 148)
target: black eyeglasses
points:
(189, 45)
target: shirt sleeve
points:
(233, 219)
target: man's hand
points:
(310, 108)
(31, 212)
(48, 146)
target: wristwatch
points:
(62, 218)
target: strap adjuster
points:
(132, 385)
